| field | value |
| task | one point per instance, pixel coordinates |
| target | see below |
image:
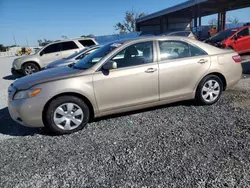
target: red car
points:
(237, 39)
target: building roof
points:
(206, 7)
(169, 10)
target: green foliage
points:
(88, 36)
(3, 48)
(44, 42)
(129, 23)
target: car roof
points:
(238, 28)
(206, 47)
(142, 38)
(66, 40)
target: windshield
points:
(96, 56)
(76, 54)
(223, 35)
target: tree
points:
(3, 48)
(64, 37)
(88, 36)
(212, 22)
(129, 23)
(44, 42)
(233, 20)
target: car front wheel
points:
(67, 114)
(30, 68)
(209, 90)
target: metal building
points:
(188, 14)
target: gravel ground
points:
(177, 145)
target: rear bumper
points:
(234, 77)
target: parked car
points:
(73, 58)
(189, 34)
(117, 78)
(237, 39)
(61, 49)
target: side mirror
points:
(235, 37)
(41, 53)
(110, 65)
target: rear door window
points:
(70, 45)
(173, 50)
(196, 51)
(177, 50)
(87, 42)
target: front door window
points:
(136, 54)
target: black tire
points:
(34, 68)
(49, 114)
(200, 93)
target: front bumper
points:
(16, 73)
(27, 112)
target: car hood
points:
(45, 76)
(26, 57)
(60, 62)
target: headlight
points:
(26, 94)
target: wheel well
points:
(85, 99)
(223, 79)
(33, 63)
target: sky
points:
(31, 20)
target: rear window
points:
(182, 34)
(70, 45)
(87, 42)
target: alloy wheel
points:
(29, 70)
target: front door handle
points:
(202, 61)
(150, 70)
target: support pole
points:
(161, 24)
(138, 27)
(195, 16)
(164, 18)
(223, 20)
(199, 16)
(219, 22)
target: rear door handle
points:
(202, 61)
(150, 70)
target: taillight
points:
(237, 58)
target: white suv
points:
(30, 64)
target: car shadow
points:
(11, 128)
(10, 77)
(181, 103)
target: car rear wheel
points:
(30, 68)
(67, 114)
(209, 90)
